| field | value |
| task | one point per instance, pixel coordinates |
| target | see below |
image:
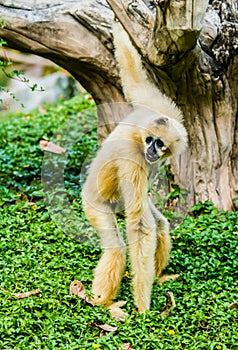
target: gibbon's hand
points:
(116, 312)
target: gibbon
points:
(119, 173)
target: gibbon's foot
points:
(116, 312)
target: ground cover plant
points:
(37, 252)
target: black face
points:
(153, 148)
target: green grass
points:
(37, 252)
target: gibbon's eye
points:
(159, 143)
(148, 139)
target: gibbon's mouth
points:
(151, 159)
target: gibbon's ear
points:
(173, 149)
(162, 121)
(167, 153)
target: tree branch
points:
(74, 35)
(62, 32)
(137, 20)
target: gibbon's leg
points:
(141, 232)
(110, 268)
(163, 245)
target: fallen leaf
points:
(49, 146)
(31, 203)
(126, 346)
(233, 305)
(77, 288)
(25, 295)
(170, 304)
(42, 110)
(107, 327)
(166, 278)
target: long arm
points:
(141, 231)
(138, 89)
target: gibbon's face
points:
(163, 138)
(154, 149)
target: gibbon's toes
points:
(116, 312)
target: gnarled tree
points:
(190, 50)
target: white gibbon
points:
(119, 173)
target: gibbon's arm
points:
(137, 88)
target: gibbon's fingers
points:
(116, 312)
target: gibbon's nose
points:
(151, 151)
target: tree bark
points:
(190, 50)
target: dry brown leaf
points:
(21, 295)
(51, 147)
(31, 203)
(126, 346)
(170, 304)
(166, 278)
(42, 110)
(77, 288)
(233, 305)
(107, 327)
(25, 295)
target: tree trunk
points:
(195, 64)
